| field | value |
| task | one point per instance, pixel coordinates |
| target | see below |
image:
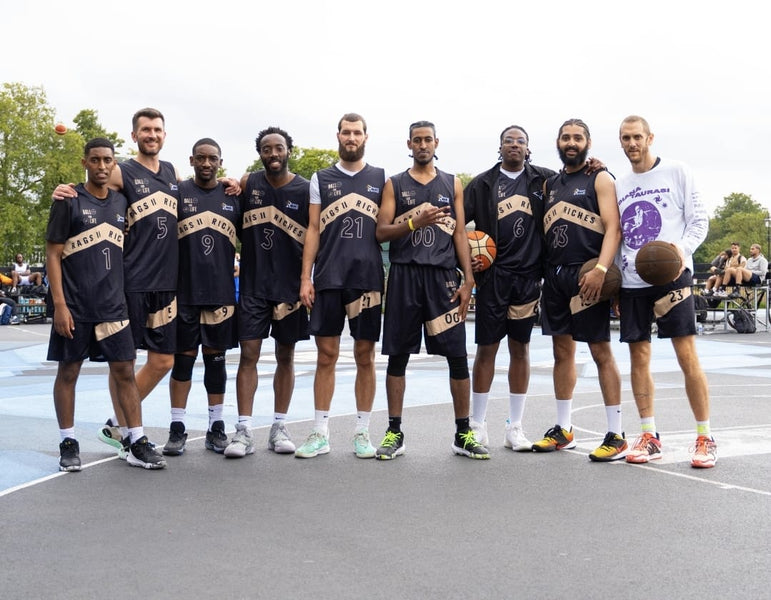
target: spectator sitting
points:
(717, 268)
(752, 273)
(8, 317)
(735, 262)
(21, 275)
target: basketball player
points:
(208, 223)
(506, 202)
(84, 257)
(275, 220)
(426, 297)
(342, 275)
(675, 213)
(580, 222)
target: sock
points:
(462, 424)
(178, 415)
(245, 420)
(479, 406)
(613, 414)
(67, 433)
(124, 433)
(215, 414)
(395, 424)
(516, 408)
(362, 420)
(564, 408)
(648, 425)
(136, 433)
(113, 421)
(279, 417)
(702, 428)
(321, 422)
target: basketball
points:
(482, 247)
(60, 129)
(658, 263)
(612, 283)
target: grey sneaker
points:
(279, 440)
(110, 435)
(216, 439)
(362, 447)
(143, 454)
(241, 444)
(177, 438)
(69, 455)
(391, 446)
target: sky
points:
(695, 70)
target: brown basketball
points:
(612, 283)
(658, 263)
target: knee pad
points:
(214, 374)
(397, 365)
(183, 367)
(458, 367)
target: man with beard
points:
(581, 222)
(419, 214)
(342, 276)
(275, 220)
(209, 222)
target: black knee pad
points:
(214, 375)
(183, 367)
(458, 367)
(397, 365)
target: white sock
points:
(67, 433)
(245, 420)
(178, 415)
(648, 424)
(362, 420)
(613, 414)
(516, 408)
(215, 414)
(564, 408)
(279, 417)
(322, 421)
(479, 406)
(136, 433)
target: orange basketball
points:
(658, 263)
(482, 247)
(612, 283)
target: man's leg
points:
(614, 445)
(564, 378)
(647, 446)
(64, 403)
(246, 387)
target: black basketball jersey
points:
(92, 231)
(349, 254)
(432, 245)
(574, 230)
(151, 242)
(519, 237)
(208, 225)
(272, 238)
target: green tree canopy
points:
(739, 219)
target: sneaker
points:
(15, 320)
(110, 435)
(466, 444)
(241, 444)
(707, 293)
(555, 439)
(391, 446)
(721, 294)
(703, 453)
(646, 447)
(279, 440)
(362, 446)
(125, 448)
(480, 432)
(69, 455)
(515, 439)
(613, 447)
(733, 295)
(216, 439)
(143, 454)
(317, 443)
(177, 438)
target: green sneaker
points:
(391, 446)
(465, 444)
(362, 446)
(317, 443)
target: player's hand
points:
(477, 264)
(307, 293)
(682, 260)
(594, 164)
(463, 295)
(590, 285)
(63, 322)
(232, 186)
(431, 215)
(64, 191)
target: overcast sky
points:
(227, 69)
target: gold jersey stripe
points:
(447, 225)
(565, 211)
(351, 202)
(514, 204)
(104, 232)
(149, 205)
(270, 214)
(207, 220)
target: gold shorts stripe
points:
(668, 302)
(105, 330)
(443, 322)
(365, 301)
(285, 309)
(577, 305)
(522, 311)
(162, 317)
(218, 315)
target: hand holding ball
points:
(482, 247)
(612, 284)
(658, 263)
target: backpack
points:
(702, 306)
(742, 320)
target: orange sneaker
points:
(647, 447)
(703, 453)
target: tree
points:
(304, 161)
(739, 219)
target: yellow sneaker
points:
(613, 447)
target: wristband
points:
(410, 224)
(601, 268)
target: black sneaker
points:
(69, 455)
(391, 446)
(177, 438)
(125, 448)
(465, 444)
(215, 438)
(143, 454)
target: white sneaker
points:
(241, 444)
(515, 438)
(480, 432)
(279, 440)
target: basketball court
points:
(427, 525)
